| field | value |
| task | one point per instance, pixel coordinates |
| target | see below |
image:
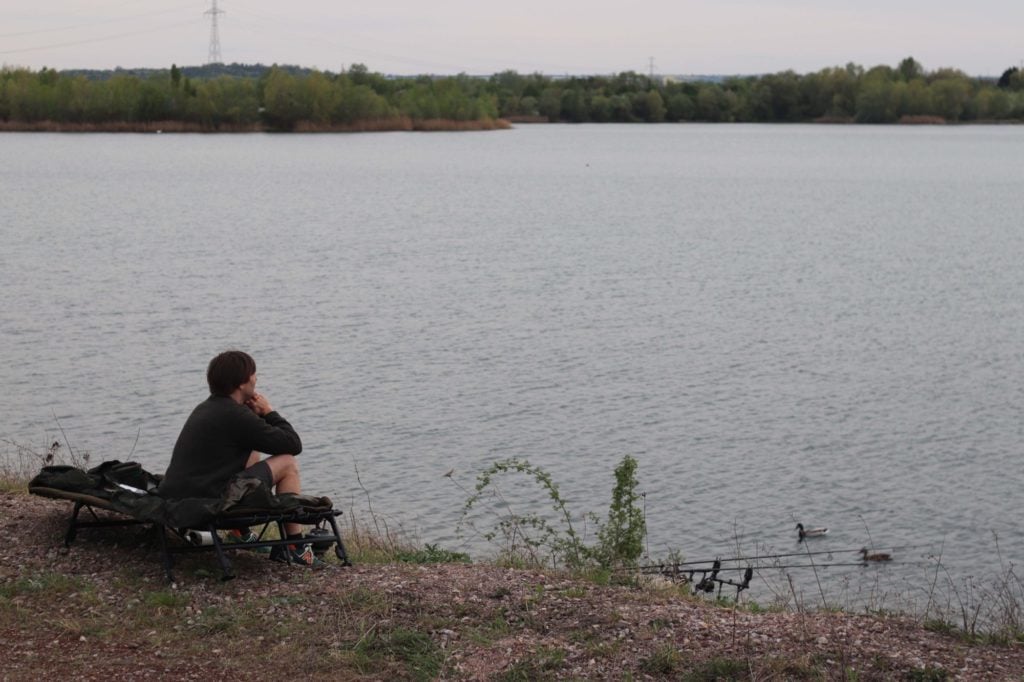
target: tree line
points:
(278, 99)
(283, 98)
(851, 94)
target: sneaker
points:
(317, 538)
(301, 554)
(235, 537)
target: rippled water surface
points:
(781, 323)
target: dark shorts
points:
(261, 470)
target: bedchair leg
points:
(282, 534)
(69, 537)
(339, 547)
(225, 565)
(165, 552)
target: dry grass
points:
(524, 118)
(122, 127)
(376, 125)
(922, 120)
(402, 123)
(834, 119)
(442, 124)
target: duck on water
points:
(875, 556)
(810, 532)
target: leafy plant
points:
(542, 540)
(530, 534)
(621, 538)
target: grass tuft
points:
(665, 660)
(719, 669)
(540, 665)
(431, 554)
(415, 651)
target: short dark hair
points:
(228, 371)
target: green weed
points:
(927, 674)
(539, 665)
(43, 582)
(166, 599)
(431, 554)
(718, 669)
(421, 657)
(665, 660)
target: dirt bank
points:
(102, 611)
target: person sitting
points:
(224, 436)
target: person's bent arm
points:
(269, 433)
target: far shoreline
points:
(404, 124)
(395, 124)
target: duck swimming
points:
(875, 556)
(810, 532)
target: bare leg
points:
(285, 471)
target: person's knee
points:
(290, 464)
(283, 466)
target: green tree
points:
(572, 106)
(949, 97)
(654, 106)
(876, 100)
(152, 103)
(777, 98)
(621, 108)
(680, 107)
(283, 107)
(360, 103)
(916, 98)
(600, 109)
(224, 101)
(909, 69)
(994, 104)
(320, 95)
(551, 104)
(712, 104)
(1011, 79)
(419, 102)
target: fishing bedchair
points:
(127, 490)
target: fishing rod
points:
(723, 569)
(782, 556)
(710, 578)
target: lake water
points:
(781, 323)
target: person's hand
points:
(259, 404)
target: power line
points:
(266, 26)
(116, 36)
(72, 27)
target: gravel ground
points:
(101, 610)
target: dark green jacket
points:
(215, 444)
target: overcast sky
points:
(982, 37)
